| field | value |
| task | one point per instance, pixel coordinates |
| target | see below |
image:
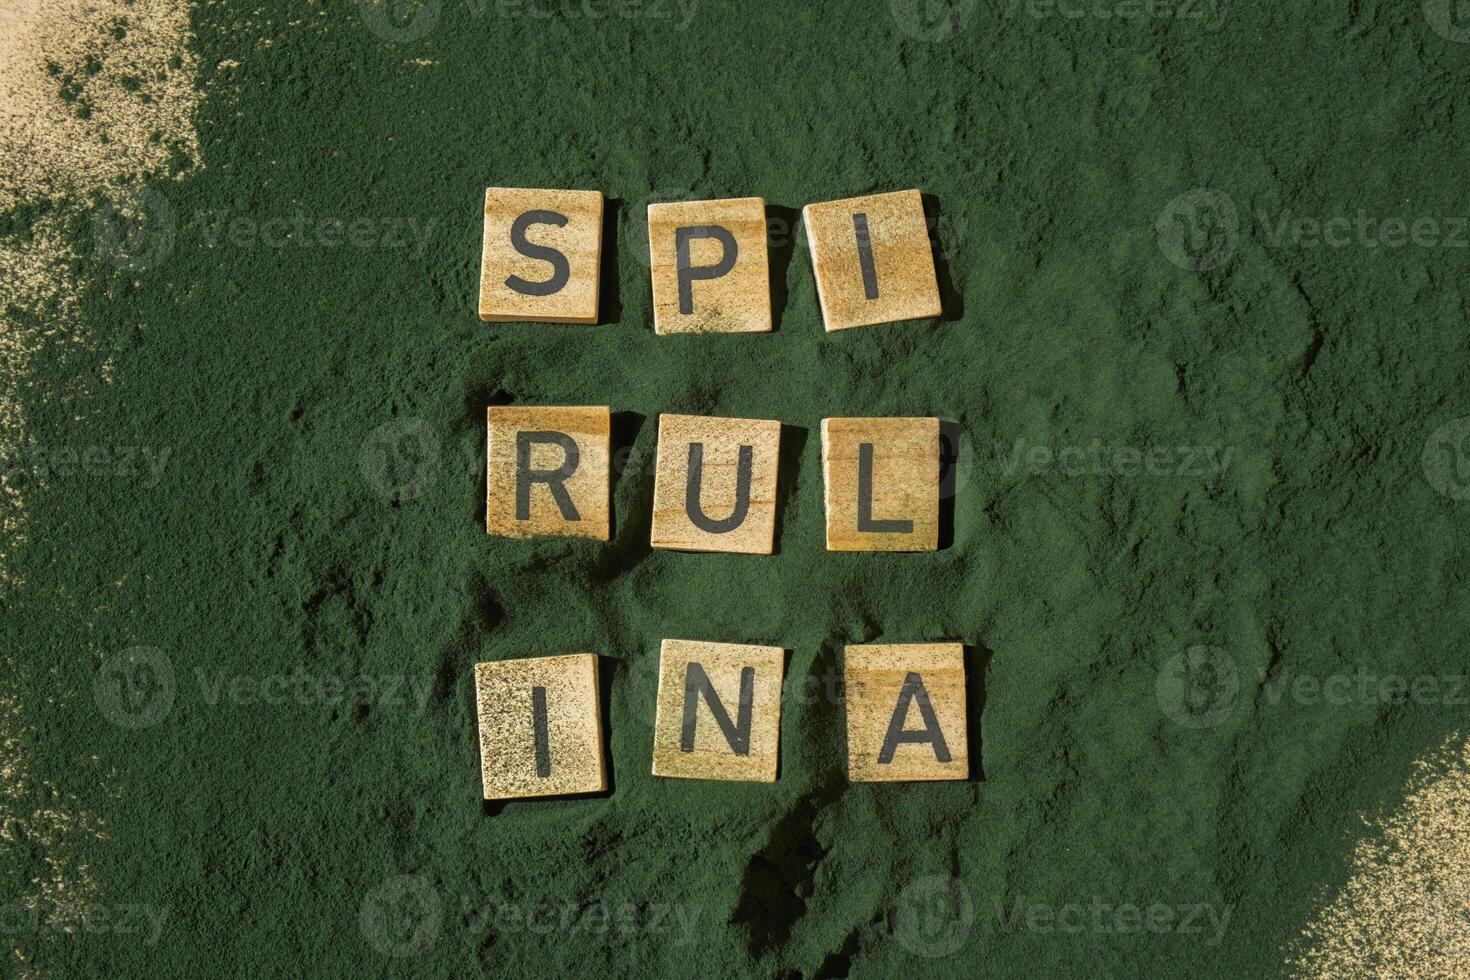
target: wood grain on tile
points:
(715, 486)
(548, 471)
(540, 727)
(710, 270)
(719, 711)
(872, 258)
(882, 483)
(542, 255)
(905, 712)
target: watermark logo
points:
(135, 230)
(1199, 687)
(402, 917)
(933, 916)
(931, 20)
(135, 688)
(1446, 459)
(1450, 19)
(1199, 229)
(401, 21)
(400, 459)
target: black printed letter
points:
(561, 269)
(554, 479)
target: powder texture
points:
(1202, 367)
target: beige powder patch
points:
(1405, 910)
(96, 97)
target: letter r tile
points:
(540, 727)
(541, 256)
(715, 486)
(872, 259)
(548, 471)
(882, 483)
(905, 712)
(719, 711)
(709, 264)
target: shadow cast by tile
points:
(629, 544)
(952, 304)
(788, 472)
(781, 225)
(610, 297)
(977, 664)
(951, 441)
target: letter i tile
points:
(540, 726)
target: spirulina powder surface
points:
(1202, 342)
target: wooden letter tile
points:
(872, 259)
(715, 489)
(542, 255)
(719, 711)
(882, 482)
(548, 471)
(540, 727)
(906, 712)
(710, 271)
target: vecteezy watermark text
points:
(303, 688)
(138, 687)
(142, 463)
(1201, 229)
(404, 916)
(1100, 916)
(1098, 459)
(1201, 687)
(144, 921)
(681, 10)
(1208, 13)
(139, 231)
(302, 230)
(675, 921)
(404, 21)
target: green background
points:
(287, 380)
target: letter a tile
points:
(710, 270)
(872, 259)
(905, 712)
(547, 471)
(715, 489)
(542, 255)
(719, 711)
(540, 727)
(882, 484)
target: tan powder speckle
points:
(1405, 910)
(97, 98)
